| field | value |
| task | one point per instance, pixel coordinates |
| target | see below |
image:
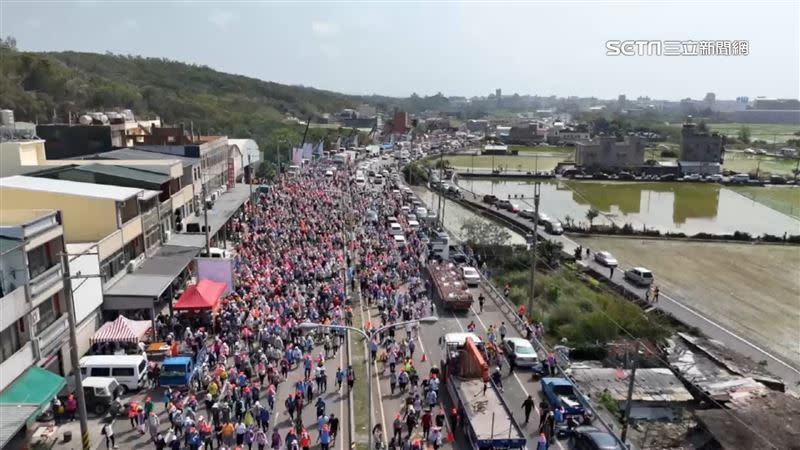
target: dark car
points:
(490, 199)
(626, 176)
(503, 204)
(667, 177)
(459, 258)
(600, 176)
(591, 438)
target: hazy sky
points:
(396, 48)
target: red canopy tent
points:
(203, 295)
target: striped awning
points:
(122, 330)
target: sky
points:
(457, 48)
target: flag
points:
(308, 151)
(297, 156)
(319, 148)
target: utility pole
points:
(205, 222)
(250, 179)
(73, 353)
(627, 417)
(532, 278)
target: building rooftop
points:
(769, 421)
(101, 191)
(651, 385)
(136, 154)
(20, 217)
(146, 176)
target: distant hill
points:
(38, 85)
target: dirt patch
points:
(753, 290)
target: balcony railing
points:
(46, 280)
(53, 336)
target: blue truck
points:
(560, 392)
(181, 371)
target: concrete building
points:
(401, 123)
(528, 134)
(605, 153)
(20, 156)
(478, 126)
(34, 349)
(701, 152)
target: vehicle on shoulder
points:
(606, 259)
(520, 352)
(626, 176)
(490, 199)
(471, 276)
(513, 207)
(740, 178)
(639, 276)
(502, 204)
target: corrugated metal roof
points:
(12, 419)
(155, 274)
(69, 187)
(651, 385)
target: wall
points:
(17, 158)
(85, 219)
(87, 293)
(14, 366)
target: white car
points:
(361, 182)
(471, 276)
(520, 352)
(328, 173)
(395, 229)
(400, 240)
(606, 259)
(378, 179)
(640, 276)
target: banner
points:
(308, 151)
(216, 269)
(319, 150)
(297, 156)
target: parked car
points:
(520, 352)
(667, 177)
(471, 276)
(527, 213)
(553, 226)
(514, 208)
(606, 259)
(692, 177)
(626, 176)
(716, 178)
(372, 216)
(502, 204)
(459, 258)
(490, 199)
(740, 178)
(600, 176)
(100, 394)
(640, 276)
(591, 438)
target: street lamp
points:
(367, 336)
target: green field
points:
(785, 199)
(739, 162)
(509, 163)
(772, 133)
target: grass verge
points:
(360, 397)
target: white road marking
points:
(521, 385)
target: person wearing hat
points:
(108, 432)
(541, 443)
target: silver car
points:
(520, 352)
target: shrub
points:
(669, 154)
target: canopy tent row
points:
(122, 330)
(205, 295)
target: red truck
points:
(449, 287)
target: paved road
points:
(669, 303)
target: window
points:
(122, 371)
(101, 371)
(142, 366)
(39, 261)
(10, 342)
(48, 313)
(134, 248)
(112, 265)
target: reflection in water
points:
(689, 200)
(677, 207)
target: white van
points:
(413, 225)
(128, 370)
(640, 276)
(400, 240)
(216, 252)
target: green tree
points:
(592, 214)
(480, 233)
(744, 134)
